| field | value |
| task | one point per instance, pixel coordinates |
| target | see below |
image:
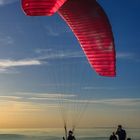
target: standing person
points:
(113, 136)
(121, 133)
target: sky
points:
(45, 77)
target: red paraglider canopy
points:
(90, 25)
(41, 7)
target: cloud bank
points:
(43, 98)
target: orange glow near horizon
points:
(26, 115)
(33, 115)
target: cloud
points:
(128, 56)
(62, 85)
(51, 32)
(33, 96)
(9, 97)
(53, 99)
(47, 95)
(4, 2)
(30, 101)
(99, 88)
(119, 101)
(6, 40)
(8, 71)
(125, 55)
(50, 54)
(59, 54)
(57, 31)
(20, 106)
(40, 51)
(44, 56)
(108, 88)
(6, 65)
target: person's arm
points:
(65, 127)
(117, 131)
(125, 134)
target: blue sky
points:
(40, 56)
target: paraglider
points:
(90, 25)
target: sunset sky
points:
(42, 63)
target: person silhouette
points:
(70, 136)
(121, 133)
(113, 136)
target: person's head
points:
(113, 133)
(70, 132)
(119, 127)
(128, 138)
